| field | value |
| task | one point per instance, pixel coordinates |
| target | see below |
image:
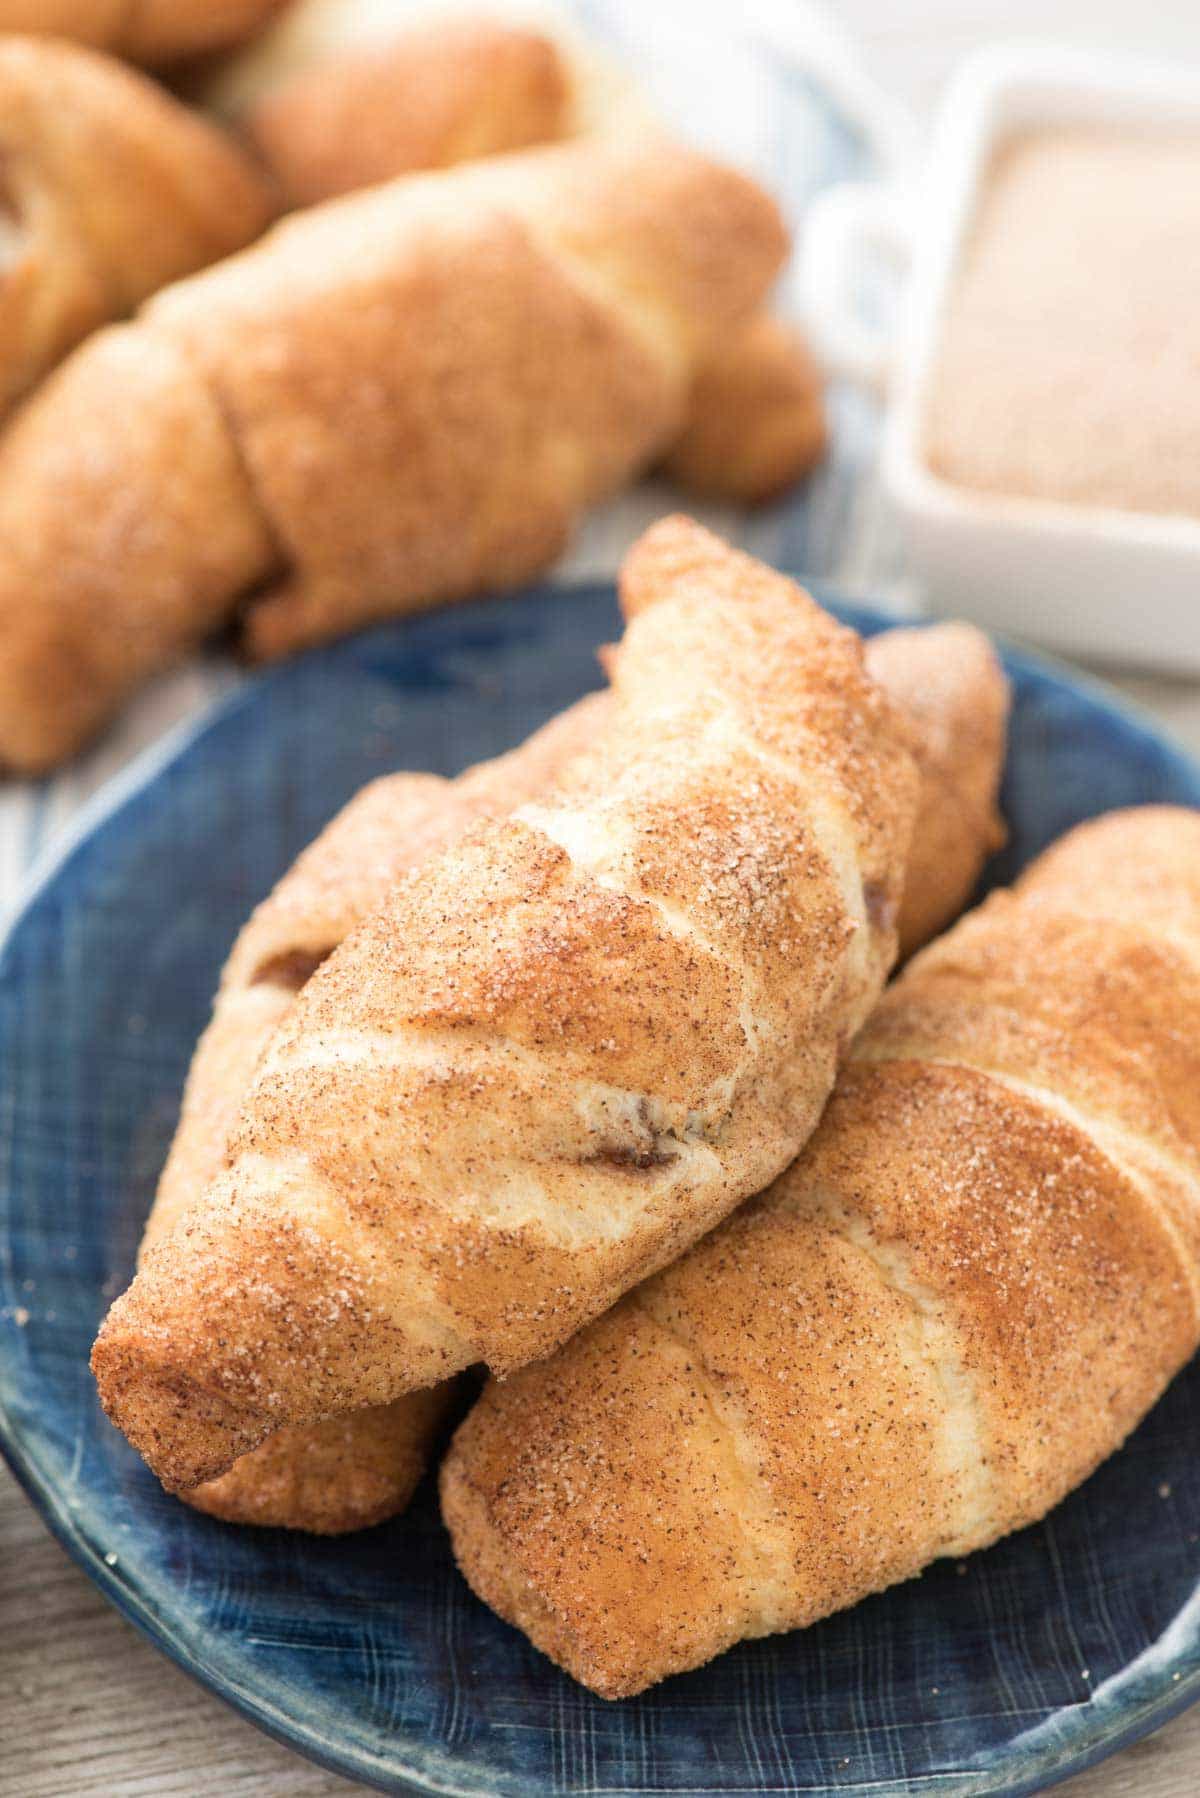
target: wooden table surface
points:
(90, 1710)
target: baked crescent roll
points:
(445, 91)
(442, 92)
(947, 678)
(352, 1471)
(149, 31)
(396, 399)
(971, 1286)
(111, 190)
(756, 420)
(560, 1052)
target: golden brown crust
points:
(391, 827)
(349, 1472)
(448, 91)
(441, 93)
(1141, 862)
(391, 439)
(949, 680)
(111, 189)
(149, 31)
(965, 1293)
(95, 22)
(125, 523)
(167, 31)
(756, 419)
(560, 1052)
(329, 1478)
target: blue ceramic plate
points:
(369, 1654)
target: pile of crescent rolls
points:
(582, 1068)
(492, 303)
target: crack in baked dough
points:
(290, 969)
(636, 1160)
(600, 1108)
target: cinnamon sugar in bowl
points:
(1069, 363)
(1042, 443)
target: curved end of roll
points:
(244, 1320)
(330, 1478)
(756, 422)
(674, 551)
(622, 1563)
(185, 1433)
(485, 1560)
(49, 706)
(947, 678)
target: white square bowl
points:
(1111, 585)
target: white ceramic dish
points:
(1110, 585)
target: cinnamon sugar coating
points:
(756, 420)
(400, 398)
(111, 188)
(354, 1470)
(950, 682)
(350, 1472)
(561, 1051)
(345, 1473)
(443, 91)
(1064, 373)
(965, 1293)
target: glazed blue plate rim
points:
(1080, 1738)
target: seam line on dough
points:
(757, 1503)
(1105, 1136)
(551, 820)
(832, 844)
(415, 1045)
(283, 566)
(934, 1341)
(1109, 1139)
(650, 325)
(727, 729)
(255, 1180)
